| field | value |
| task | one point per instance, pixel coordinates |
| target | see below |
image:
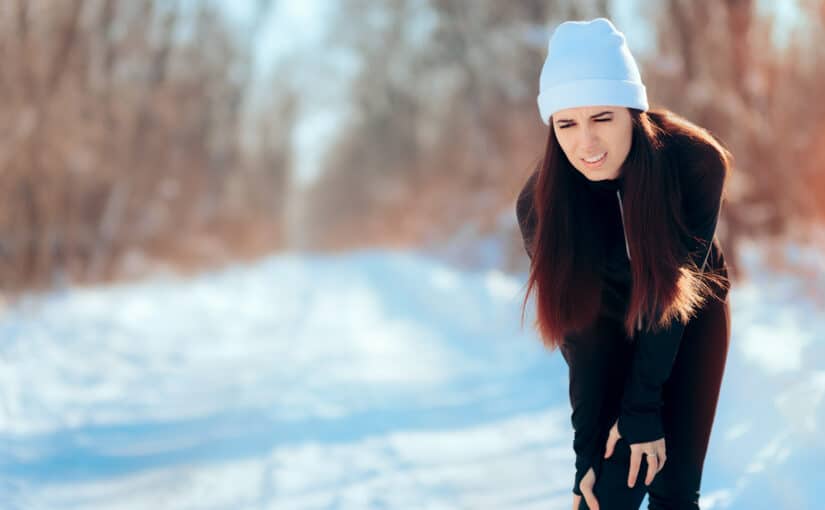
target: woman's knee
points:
(674, 490)
(666, 503)
(611, 488)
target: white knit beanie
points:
(588, 64)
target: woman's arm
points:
(586, 360)
(640, 419)
(588, 365)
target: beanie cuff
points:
(578, 93)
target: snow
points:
(373, 379)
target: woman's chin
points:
(598, 174)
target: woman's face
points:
(595, 139)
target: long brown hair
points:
(566, 248)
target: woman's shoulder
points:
(530, 183)
(524, 203)
(526, 213)
(700, 156)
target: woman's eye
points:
(595, 120)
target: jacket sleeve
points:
(640, 417)
(586, 381)
(526, 214)
(586, 363)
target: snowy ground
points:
(375, 380)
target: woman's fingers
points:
(586, 485)
(576, 501)
(611, 443)
(635, 464)
(612, 438)
(656, 456)
(590, 498)
(661, 457)
(652, 468)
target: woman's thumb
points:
(587, 490)
(590, 498)
(611, 443)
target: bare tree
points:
(124, 126)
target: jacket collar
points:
(605, 186)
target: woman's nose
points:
(588, 137)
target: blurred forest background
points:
(140, 134)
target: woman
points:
(619, 223)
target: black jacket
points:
(702, 177)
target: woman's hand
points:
(586, 486)
(655, 451)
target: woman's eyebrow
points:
(606, 112)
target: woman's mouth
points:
(596, 160)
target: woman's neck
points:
(604, 185)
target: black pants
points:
(689, 399)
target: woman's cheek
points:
(567, 147)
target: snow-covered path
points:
(368, 380)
